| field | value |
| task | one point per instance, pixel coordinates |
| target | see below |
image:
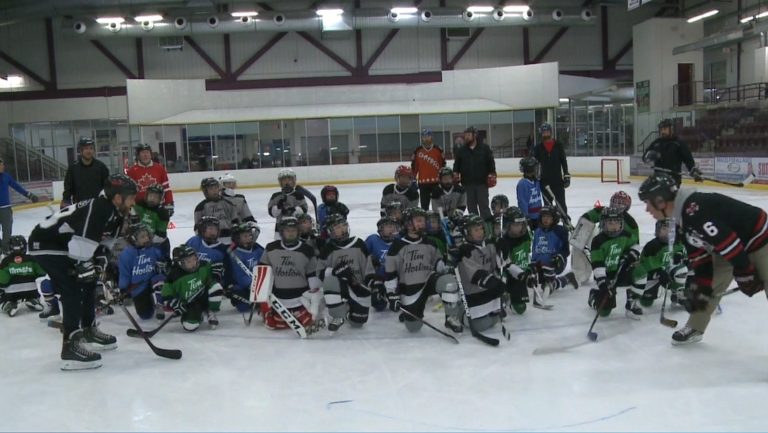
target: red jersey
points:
(426, 164)
(145, 176)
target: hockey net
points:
(612, 171)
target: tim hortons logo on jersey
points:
(692, 208)
(24, 270)
(287, 268)
(520, 257)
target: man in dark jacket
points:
(554, 165)
(474, 167)
(667, 154)
(86, 177)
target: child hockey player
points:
(387, 230)
(344, 265)
(242, 211)
(141, 272)
(148, 211)
(415, 270)
(295, 284)
(550, 252)
(514, 250)
(584, 232)
(249, 252)
(499, 203)
(216, 206)
(191, 290)
(448, 196)
(331, 205)
(210, 250)
(289, 201)
(529, 191)
(20, 279)
(614, 252)
(394, 210)
(657, 268)
(403, 190)
(308, 232)
(435, 233)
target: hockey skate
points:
(569, 281)
(10, 308)
(454, 324)
(632, 310)
(99, 340)
(687, 335)
(76, 357)
(33, 304)
(213, 321)
(336, 323)
(50, 310)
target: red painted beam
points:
(254, 58)
(206, 58)
(526, 46)
(604, 36)
(380, 49)
(415, 78)
(463, 50)
(227, 56)
(544, 51)
(622, 52)
(140, 57)
(115, 61)
(359, 51)
(327, 51)
(31, 95)
(25, 70)
(52, 77)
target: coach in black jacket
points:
(554, 165)
(474, 162)
(86, 177)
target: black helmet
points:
(513, 215)
(134, 230)
(205, 222)
(471, 129)
(239, 229)
(611, 214)
(142, 146)
(288, 222)
(208, 182)
(470, 221)
(17, 245)
(500, 199)
(182, 252)
(658, 186)
(331, 222)
(551, 211)
(529, 164)
(119, 184)
(445, 171)
(383, 222)
(84, 141)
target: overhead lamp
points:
(148, 18)
(329, 12)
(244, 14)
(480, 9)
(404, 10)
(700, 17)
(754, 17)
(516, 9)
(110, 20)
(11, 81)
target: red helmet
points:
(621, 200)
(403, 170)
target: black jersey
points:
(76, 230)
(673, 153)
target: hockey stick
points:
(671, 233)
(163, 353)
(560, 210)
(310, 196)
(487, 340)
(275, 303)
(444, 226)
(428, 325)
(135, 333)
(591, 334)
(747, 180)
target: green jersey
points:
(152, 218)
(655, 256)
(18, 274)
(190, 286)
(607, 253)
(630, 224)
(515, 253)
(439, 240)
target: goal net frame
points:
(612, 171)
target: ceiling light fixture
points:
(148, 18)
(516, 9)
(244, 14)
(329, 12)
(110, 20)
(700, 17)
(480, 9)
(410, 10)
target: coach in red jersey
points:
(426, 162)
(145, 173)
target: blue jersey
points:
(548, 242)
(250, 258)
(529, 198)
(7, 181)
(212, 253)
(377, 248)
(138, 269)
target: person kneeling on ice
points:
(344, 264)
(614, 253)
(249, 252)
(21, 278)
(191, 291)
(499, 203)
(658, 268)
(477, 269)
(415, 270)
(295, 282)
(142, 272)
(209, 250)
(156, 217)
(551, 251)
(387, 230)
(514, 250)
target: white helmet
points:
(225, 180)
(286, 172)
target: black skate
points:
(454, 324)
(33, 304)
(10, 308)
(570, 281)
(213, 321)
(632, 310)
(336, 323)
(687, 335)
(50, 309)
(76, 357)
(99, 340)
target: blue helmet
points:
(426, 132)
(545, 127)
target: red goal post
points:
(612, 171)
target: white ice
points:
(238, 378)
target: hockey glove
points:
(528, 278)
(85, 272)
(696, 174)
(491, 180)
(696, 297)
(663, 277)
(177, 306)
(217, 269)
(169, 209)
(558, 261)
(33, 198)
(344, 272)
(489, 282)
(393, 299)
(162, 267)
(566, 181)
(630, 257)
(65, 203)
(749, 283)
(678, 258)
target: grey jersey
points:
(293, 269)
(408, 197)
(223, 209)
(242, 211)
(286, 204)
(450, 199)
(353, 252)
(477, 261)
(408, 266)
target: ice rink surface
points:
(381, 377)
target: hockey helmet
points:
(426, 132)
(611, 221)
(288, 228)
(119, 184)
(211, 188)
(548, 211)
(387, 228)
(326, 192)
(206, 223)
(415, 220)
(403, 171)
(545, 127)
(337, 228)
(658, 187)
(153, 196)
(228, 181)
(17, 245)
(621, 200)
(84, 141)
(185, 257)
(142, 147)
(245, 234)
(471, 234)
(529, 166)
(394, 209)
(515, 222)
(499, 201)
(139, 235)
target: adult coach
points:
(475, 168)
(426, 162)
(145, 172)
(86, 177)
(667, 154)
(553, 165)
(726, 239)
(6, 211)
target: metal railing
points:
(707, 92)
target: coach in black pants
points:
(553, 165)
(474, 162)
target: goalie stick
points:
(487, 340)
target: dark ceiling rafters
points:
(113, 59)
(553, 40)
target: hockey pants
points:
(77, 299)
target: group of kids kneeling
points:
(471, 263)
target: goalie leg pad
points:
(582, 234)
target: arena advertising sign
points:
(634, 4)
